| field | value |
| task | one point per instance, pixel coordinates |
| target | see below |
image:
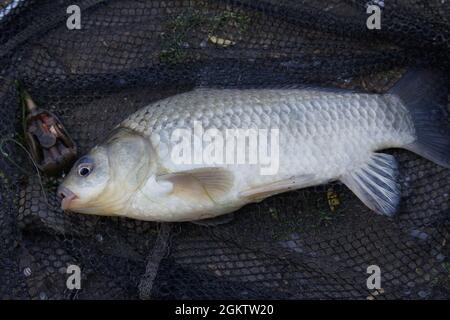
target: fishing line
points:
(7, 156)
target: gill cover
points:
(129, 156)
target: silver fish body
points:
(322, 135)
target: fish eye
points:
(85, 167)
(84, 170)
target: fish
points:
(320, 135)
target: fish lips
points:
(67, 197)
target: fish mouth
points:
(67, 197)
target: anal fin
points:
(375, 183)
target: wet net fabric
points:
(310, 243)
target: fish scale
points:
(311, 122)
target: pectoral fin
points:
(375, 183)
(205, 184)
(259, 193)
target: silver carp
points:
(321, 135)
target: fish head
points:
(86, 181)
(103, 181)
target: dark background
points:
(294, 246)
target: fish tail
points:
(425, 95)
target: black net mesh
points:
(297, 245)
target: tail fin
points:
(425, 94)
